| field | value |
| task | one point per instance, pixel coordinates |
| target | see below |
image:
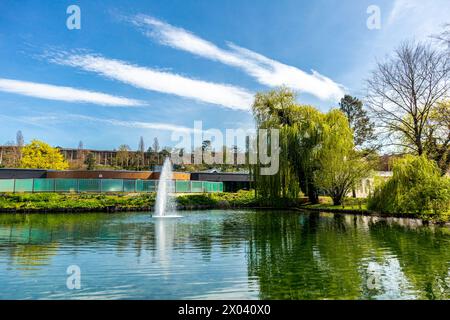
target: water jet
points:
(165, 206)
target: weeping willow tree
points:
(305, 137)
(301, 135)
(272, 110)
(416, 187)
(316, 150)
(341, 168)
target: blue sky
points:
(147, 68)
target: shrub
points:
(416, 187)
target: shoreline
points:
(118, 209)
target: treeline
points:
(406, 111)
(40, 155)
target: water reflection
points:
(224, 254)
(165, 231)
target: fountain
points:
(165, 206)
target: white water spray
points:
(165, 204)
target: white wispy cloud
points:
(150, 79)
(265, 70)
(418, 18)
(113, 122)
(60, 93)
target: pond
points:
(222, 254)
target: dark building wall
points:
(220, 176)
(22, 173)
(232, 182)
(233, 186)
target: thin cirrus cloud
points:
(113, 122)
(154, 80)
(265, 70)
(408, 16)
(61, 93)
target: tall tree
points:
(363, 128)
(403, 90)
(141, 147)
(20, 142)
(141, 151)
(270, 110)
(206, 145)
(437, 135)
(156, 149)
(90, 161)
(80, 151)
(315, 149)
(341, 168)
(155, 145)
(300, 132)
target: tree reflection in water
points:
(284, 255)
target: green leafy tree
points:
(359, 121)
(206, 145)
(437, 133)
(341, 168)
(40, 155)
(308, 139)
(270, 110)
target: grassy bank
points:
(74, 202)
(360, 206)
(349, 205)
(55, 202)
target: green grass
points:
(360, 206)
(89, 201)
(121, 202)
(353, 207)
(350, 204)
(222, 200)
(53, 201)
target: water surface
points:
(223, 254)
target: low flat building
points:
(232, 181)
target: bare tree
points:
(20, 142)
(141, 147)
(403, 91)
(141, 151)
(156, 149)
(155, 145)
(123, 155)
(80, 152)
(445, 36)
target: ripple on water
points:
(223, 254)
